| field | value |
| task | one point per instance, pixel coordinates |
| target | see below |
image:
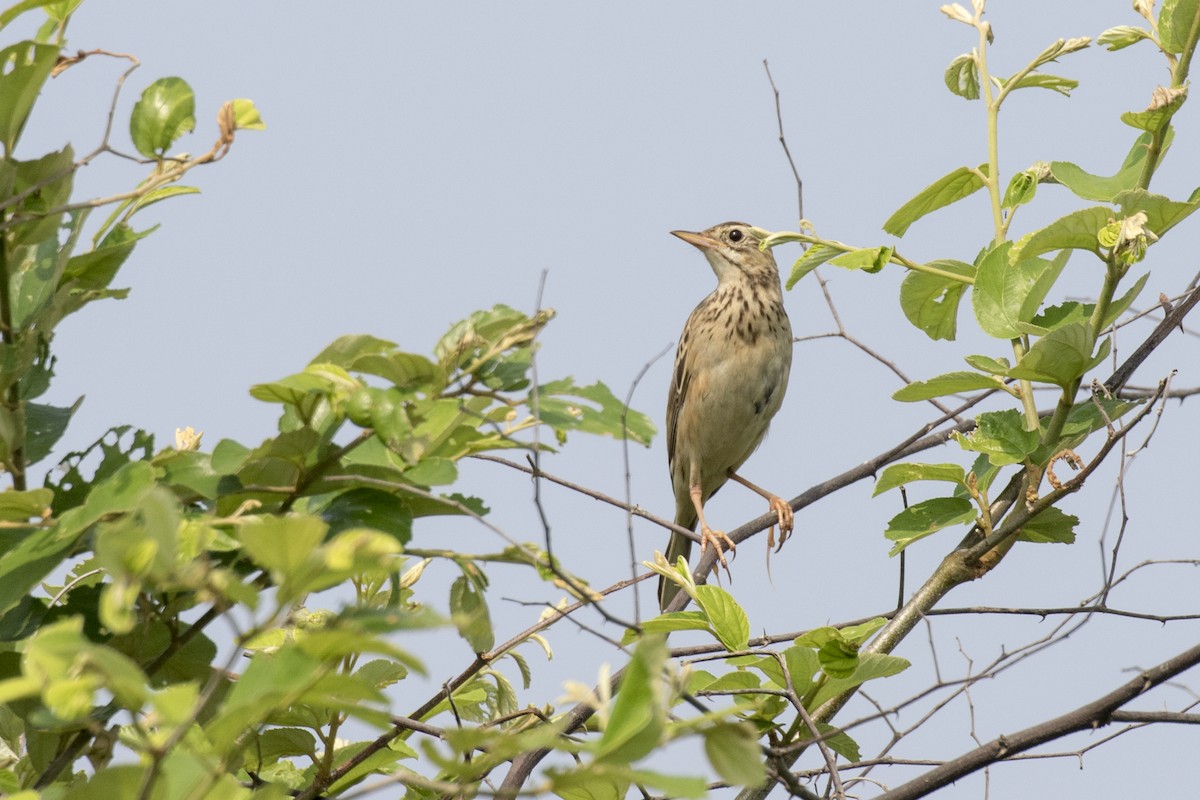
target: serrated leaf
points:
(1175, 22)
(949, 188)
(1000, 289)
(1104, 189)
(729, 621)
(1050, 526)
(900, 474)
(871, 666)
(1162, 213)
(942, 385)
(602, 413)
(930, 302)
(1061, 356)
(365, 507)
(1122, 36)
(165, 111)
(1040, 80)
(1042, 286)
(44, 427)
(1076, 231)
(925, 518)
(962, 77)
(1001, 435)
(1163, 105)
(471, 616)
(814, 257)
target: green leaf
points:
(11, 13)
(54, 175)
(24, 68)
(868, 259)
(637, 719)
(930, 302)
(948, 189)
(1022, 187)
(166, 111)
(369, 508)
(96, 268)
(1001, 287)
(1122, 36)
(1175, 22)
(900, 474)
(1040, 80)
(729, 620)
(1061, 356)
(1163, 105)
(871, 666)
(1104, 189)
(992, 366)
(602, 414)
(857, 635)
(962, 77)
(925, 518)
(1118, 307)
(270, 682)
(38, 553)
(246, 116)
(1000, 435)
(1077, 230)
(470, 615)
(839, 742)
(1042, 286)
(158, 195)
(1050, 526)
(950, 383)
(44, 426)
(733, 752)
(1084, 419)
(432, 471)
(21, 506)
(669, 623)
(813, 257)
(1162, 213)
(285, 546)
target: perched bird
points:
(731, 372)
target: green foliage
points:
(142, 536)
(1047, 344)
(312, 543)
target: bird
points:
(731, 372)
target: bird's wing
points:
(679, 383)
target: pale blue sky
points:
(425, 160)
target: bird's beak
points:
(697, 240)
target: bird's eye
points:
(736, 235)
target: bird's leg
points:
(717, 539)
(781, 507)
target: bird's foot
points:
(722, 543)
(787, 522)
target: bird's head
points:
(732, 248)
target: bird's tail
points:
(679, 545)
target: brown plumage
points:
(731, 372)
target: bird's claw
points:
(787, 521)
(722, 543)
